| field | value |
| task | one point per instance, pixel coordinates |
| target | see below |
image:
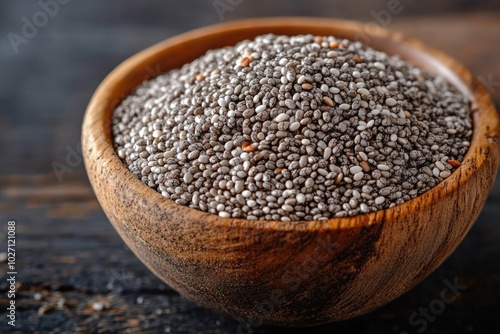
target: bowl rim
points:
(483, 113)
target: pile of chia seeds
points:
(293, 128)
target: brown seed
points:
(247, 147)
(334, 45)
(364, 166)
(328, 101)
(278, 171)
(356, 58)
(454, 163)
(258, 156)
(307, 86)
(318, 39)
(245, 61)
(200, 76)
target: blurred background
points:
(74, 272)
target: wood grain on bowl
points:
(289, 273)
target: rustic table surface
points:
(74, 272)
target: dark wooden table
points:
(71, 263)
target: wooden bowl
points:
(289, 273)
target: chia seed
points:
(293, 128)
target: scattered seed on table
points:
(98, 306)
